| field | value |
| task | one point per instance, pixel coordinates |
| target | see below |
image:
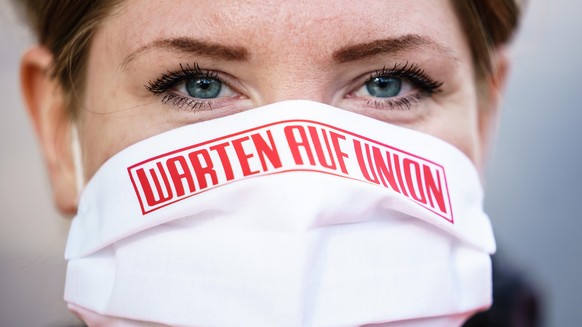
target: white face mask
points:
(292, 214)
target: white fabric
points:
(273, 217)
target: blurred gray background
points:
(534, 183)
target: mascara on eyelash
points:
(411, 72)
(171, 79)
(414, 73)
(180, 102)
(403, 104)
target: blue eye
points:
(194, 88)
(203, 87)
(384, 86)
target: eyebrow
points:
(385, 46)
(346, 54)
(190, 45)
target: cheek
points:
(460, 128)
(464, 134)
(455, 120)
(103, 134)
(110, 121)
(454, 115)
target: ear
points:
(490, 102)
(44, 99)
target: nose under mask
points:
(292, 214)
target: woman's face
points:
(157, 65)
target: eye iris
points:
(203, 87)
(384, 87)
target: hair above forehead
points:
(66, 27)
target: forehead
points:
(279, 28)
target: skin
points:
(289, 51)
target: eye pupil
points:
(384, 87)
(203, 87)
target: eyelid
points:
(422, 84)
(171, 79)
(212, 75)
(411, 73)
(166, 86)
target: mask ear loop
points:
(77, 159)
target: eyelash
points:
(412, 73)
(166, 82)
